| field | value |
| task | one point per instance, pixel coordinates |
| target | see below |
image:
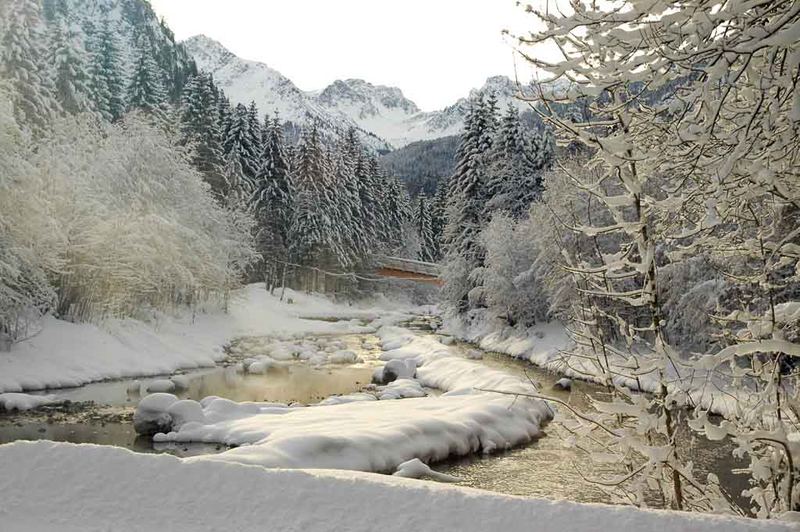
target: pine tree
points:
(466, 199)
(346, 166)
(427, 250)
(516, 166)
(105, 72)
(67, 57)
(23, 65)
(239, 143)
(255, 129)
(199, 128)
(368, 179)
(224, 114)
(397, 212)
(438, 218)
(272, 198)
(146, 88)
(312, 240)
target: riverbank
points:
(65, 354)
(55, 486)
(550, 347)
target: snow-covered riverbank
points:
(549, 346)
(69, 488)
(67, 354)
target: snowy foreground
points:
(67, 354)
(330, 448)
(50, 486)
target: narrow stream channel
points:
(101, 413)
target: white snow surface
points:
(66, 354)
(24, 401)
(64, 487)
(359, 433)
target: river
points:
(101, 413)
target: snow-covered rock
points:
(152, 413)
(181, 382)
(563, 384)
(343, 356)
(416, 468)
(401, 389)
(395, 369)
(161, 385)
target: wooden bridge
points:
(412, 270)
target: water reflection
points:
(546, 468)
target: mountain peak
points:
(208, 53)
(363, 93)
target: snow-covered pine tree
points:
(23, 65)
(467, 196)
(517, 162)
(272, 199)
(368, 176)
(105, 71)
(66, 55)
(398, 211)
(438, 218)
(239, 144)
(199, 129)
(427, 248)
(347, 154)
(146, 87)
(312, 239)
(224, 114)
(255, 129)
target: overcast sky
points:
(434, 50)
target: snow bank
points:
(84, 488)
(66, 354)
(364, 435)
(358, 433)
(549, 346)
(24, 401)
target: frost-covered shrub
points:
(140, 225)
(30, 241)
(692, 293)
(108, 220)
(512, 289)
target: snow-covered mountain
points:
(385, 117)
(244, 81)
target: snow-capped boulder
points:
(161, 386)
(151, 415)
(395, 369)
(563, 384)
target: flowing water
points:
(101, 413)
